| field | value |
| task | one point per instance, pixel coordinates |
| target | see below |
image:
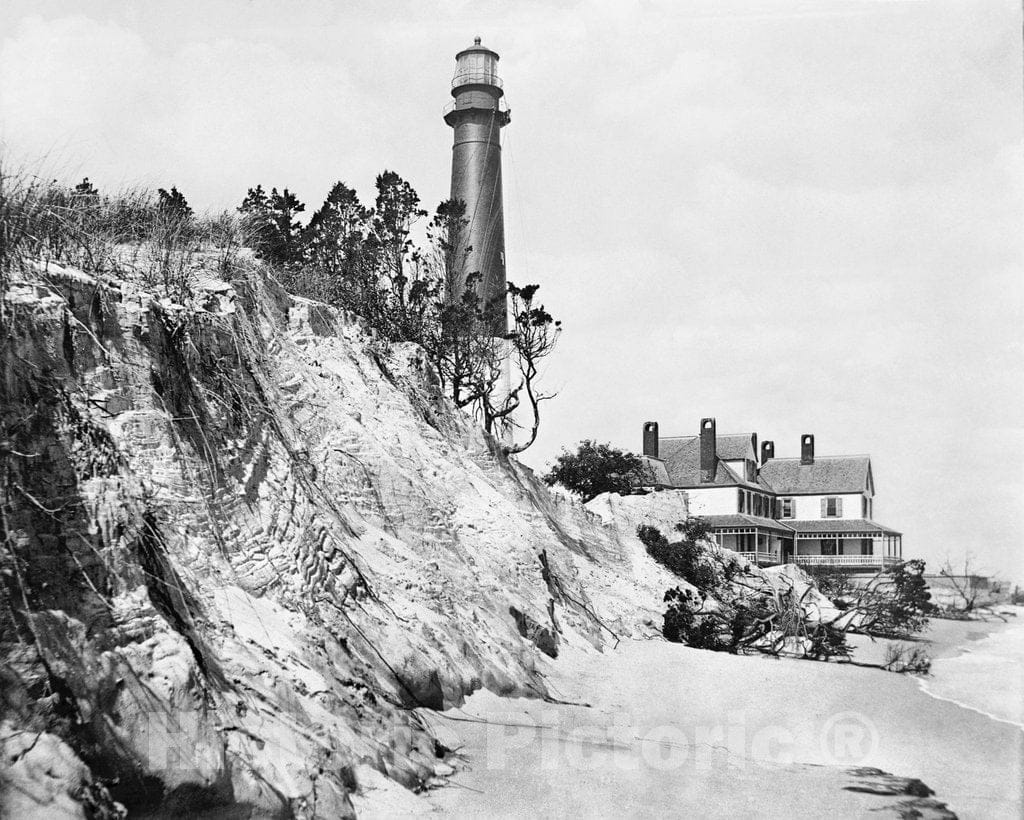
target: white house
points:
(807, 510)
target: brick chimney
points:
(651, 439)
(807, 448)
(767, 451)
(708, 451)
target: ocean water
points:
(988, 677)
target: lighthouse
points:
(477, 115)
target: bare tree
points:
(469, 356)
(967, 585)
(532, 338)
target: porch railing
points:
(847, 560)
(759, 558)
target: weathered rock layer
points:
(243, 538)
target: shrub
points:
(651, 538)
(684, 622)
(737, 622)
(749, 613)
(894, 602)
(594, 469)
(900, 658)
(173, 205)
(908, 603)
(103, 234)
(827, 641)
(688, 558)
(679, 615)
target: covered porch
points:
(761, 541)
(845, 544)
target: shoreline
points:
(987, 675)
(744, 734)
(957, 637)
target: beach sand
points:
(674, 730)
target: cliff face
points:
(244, 539)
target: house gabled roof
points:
(732, 448)
(837, 474)
(653, 472)
(741, 481)
(681, 456)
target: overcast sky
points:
(792, 216)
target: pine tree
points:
(339, 267)
(908, 601)
(337, 232)
(270, 219)
(173, 205)
(287, 243)
(408, 292)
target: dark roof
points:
(731, 448)
(756, 484)
(653, 472)
(738, 520)
(827, 526)
(839, 474)
(681, 456)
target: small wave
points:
(988, 678)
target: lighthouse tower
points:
(477, 115)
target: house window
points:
(788, 508)
(758, 501)
(832, 507)
(741, 504)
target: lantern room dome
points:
(476, 65)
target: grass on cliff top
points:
(132, 232)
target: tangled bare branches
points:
(727, 606)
